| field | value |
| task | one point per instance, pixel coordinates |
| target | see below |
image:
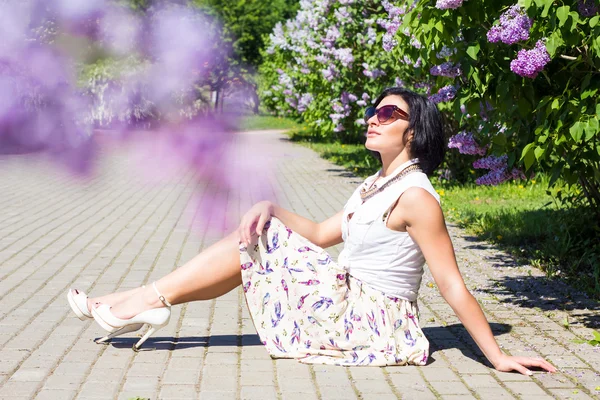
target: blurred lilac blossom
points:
(42, 109)
(587, 8)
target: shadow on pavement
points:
(186, 342)
(455, 336)
(547, 295)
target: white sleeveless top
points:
(385, 259)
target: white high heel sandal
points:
(156, 318)
(78, 303)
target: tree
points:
(246, 24)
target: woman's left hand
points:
(513, 363)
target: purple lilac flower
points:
(587, 8)
(493, 163)
(347, 98)
(322, 59)
(342, 15)
(414, 42)
(447, 69)
(498, 167)
(304, 102)
(423, 85)
(530, 62)
(514, 26)
(374, 73)
(466, 144)
(389, 42)
(399, 82)
(338, 108)
(344, 56)
(371, 35)
(332, 34)
(329, 73)
(446, 93)
(446, 4)
(446, 52)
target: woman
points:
(359, 311)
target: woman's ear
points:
(408, 137)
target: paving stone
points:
(452, 387)
(63, 394)
(258, 393)
(178, 391)
(208, 395)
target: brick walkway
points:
(115, 233)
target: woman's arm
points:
(422, 216)
(324, 234)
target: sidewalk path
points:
(115, 233)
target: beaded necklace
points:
(367, 194)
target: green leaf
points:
(500, 140)
(525, 3)
(596, 335)
(472, 51)
(439, 26)
(591, 129)
(576, 131)
(547, 5)
(539, 152)
(554, 41)
(562, 13)
(527, 155)
(588, 93)
(594, 21)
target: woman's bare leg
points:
(210, 274)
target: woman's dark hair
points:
(425, 122)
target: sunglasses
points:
(385, 113)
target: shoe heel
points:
(122, 331)
(150, 332)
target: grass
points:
(260, 122)
(519, 216)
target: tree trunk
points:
(217, 100)
(255, 99)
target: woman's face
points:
(388, 137)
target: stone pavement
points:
(115, 233)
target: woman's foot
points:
(147, 307)
(109, 299)
(140, 300)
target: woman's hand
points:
(254, 221)
(507, 363)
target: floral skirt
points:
(305, 306)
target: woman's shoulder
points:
(416, 181)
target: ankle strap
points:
(160, 296)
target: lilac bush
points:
(468, 57)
